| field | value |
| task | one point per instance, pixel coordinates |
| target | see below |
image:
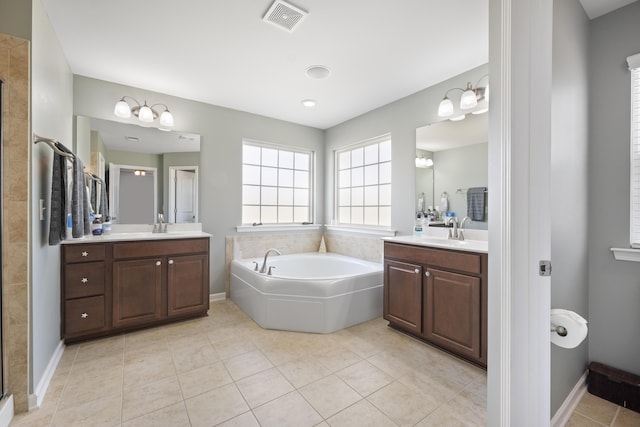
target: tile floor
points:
(593, 411)
(224, 370)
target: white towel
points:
(444, 204)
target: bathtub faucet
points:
(264, 263)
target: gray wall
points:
(400, 118)
(51, 109)
(222, 131)
(569, 191)
(614, 286)
(461, 168)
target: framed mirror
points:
(458, 161)
(147, 171)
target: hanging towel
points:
(104, 206)
(79, 202)
(476, 198)
(93, 191)
(58, 209)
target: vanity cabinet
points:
(119, 286)
(438, 295)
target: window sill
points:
(276, 227)
(382, 232)
(626, 254)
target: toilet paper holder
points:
(559, 329)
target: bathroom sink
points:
(443, 242)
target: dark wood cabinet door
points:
(137, 291)
(403, 295)
(187, 284)
(452, 312)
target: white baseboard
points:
(35, 399)
(6, 411)
(569, 405)
(220, 296)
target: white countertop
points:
(132, 232)
(477, 241)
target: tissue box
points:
(614, 385)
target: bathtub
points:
(311, 292)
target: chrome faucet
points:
(464, 220)
(456, 234)
(264, 263)
(157, 228)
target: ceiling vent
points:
(284, 15)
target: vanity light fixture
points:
(421, 162)
(143, 112)
(308, 103)
(471, 97)
(138, 172)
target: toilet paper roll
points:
(574, 324)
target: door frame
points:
(520, 45)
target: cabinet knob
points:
(158, 262)
(84, 280)
(84, 253)
(84, 315)
(417, 271)
(427, 273)
(170, 261)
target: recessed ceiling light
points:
(318, 72)
(308, 103)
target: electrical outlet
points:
(42, 208)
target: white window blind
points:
(634, 66)
(363, 183)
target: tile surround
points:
(14, 72)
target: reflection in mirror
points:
(460, 159)
(170, 161)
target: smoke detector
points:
(284, 15)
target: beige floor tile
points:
(139, 400)
(283, 352)
(190, 357)
(147, 367)
(103, 412)
(173, 415)
(578, 420)
(303, 371)
(153, 337)
(263, 387)
(440, 391)
(245, 420)
(204, 379)
(404, 405)
(247, 364)
(627, 418)
(231, 347)
(79, 392)
(390, 364)
(290, 410)
(41, 417)
(215, 406)
(361, 347)
(596, 408)
(100, 348)
(449, 416)
(364, 378)
(338, 358)
(329, 395)
(361, 413)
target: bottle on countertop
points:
(419, 226)
(96, 225)
(106, 226)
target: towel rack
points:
(464, 190)
(52, 143)
(93, 177)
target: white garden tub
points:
(311, 292)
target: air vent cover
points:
(284, 15)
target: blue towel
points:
(476, 199)
(58, 209)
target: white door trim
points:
(172, 191)
(519, 232)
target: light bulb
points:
(145, 114)
(122, 109)
(445, 108)
(468, 98)
(166, 119)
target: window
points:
(363, 183)
(634, 66)
(276, 184)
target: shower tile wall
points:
(14, 71)
(362, 247)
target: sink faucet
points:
(264, 263)
(456, 234)
(157, 228)
(464, 220)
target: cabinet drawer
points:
(83, 280)
(84, 253)
(452, 260)
(155, 248)
(84, 315)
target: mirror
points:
(458, 151)
(147, 171)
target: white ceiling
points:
(222, 53)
